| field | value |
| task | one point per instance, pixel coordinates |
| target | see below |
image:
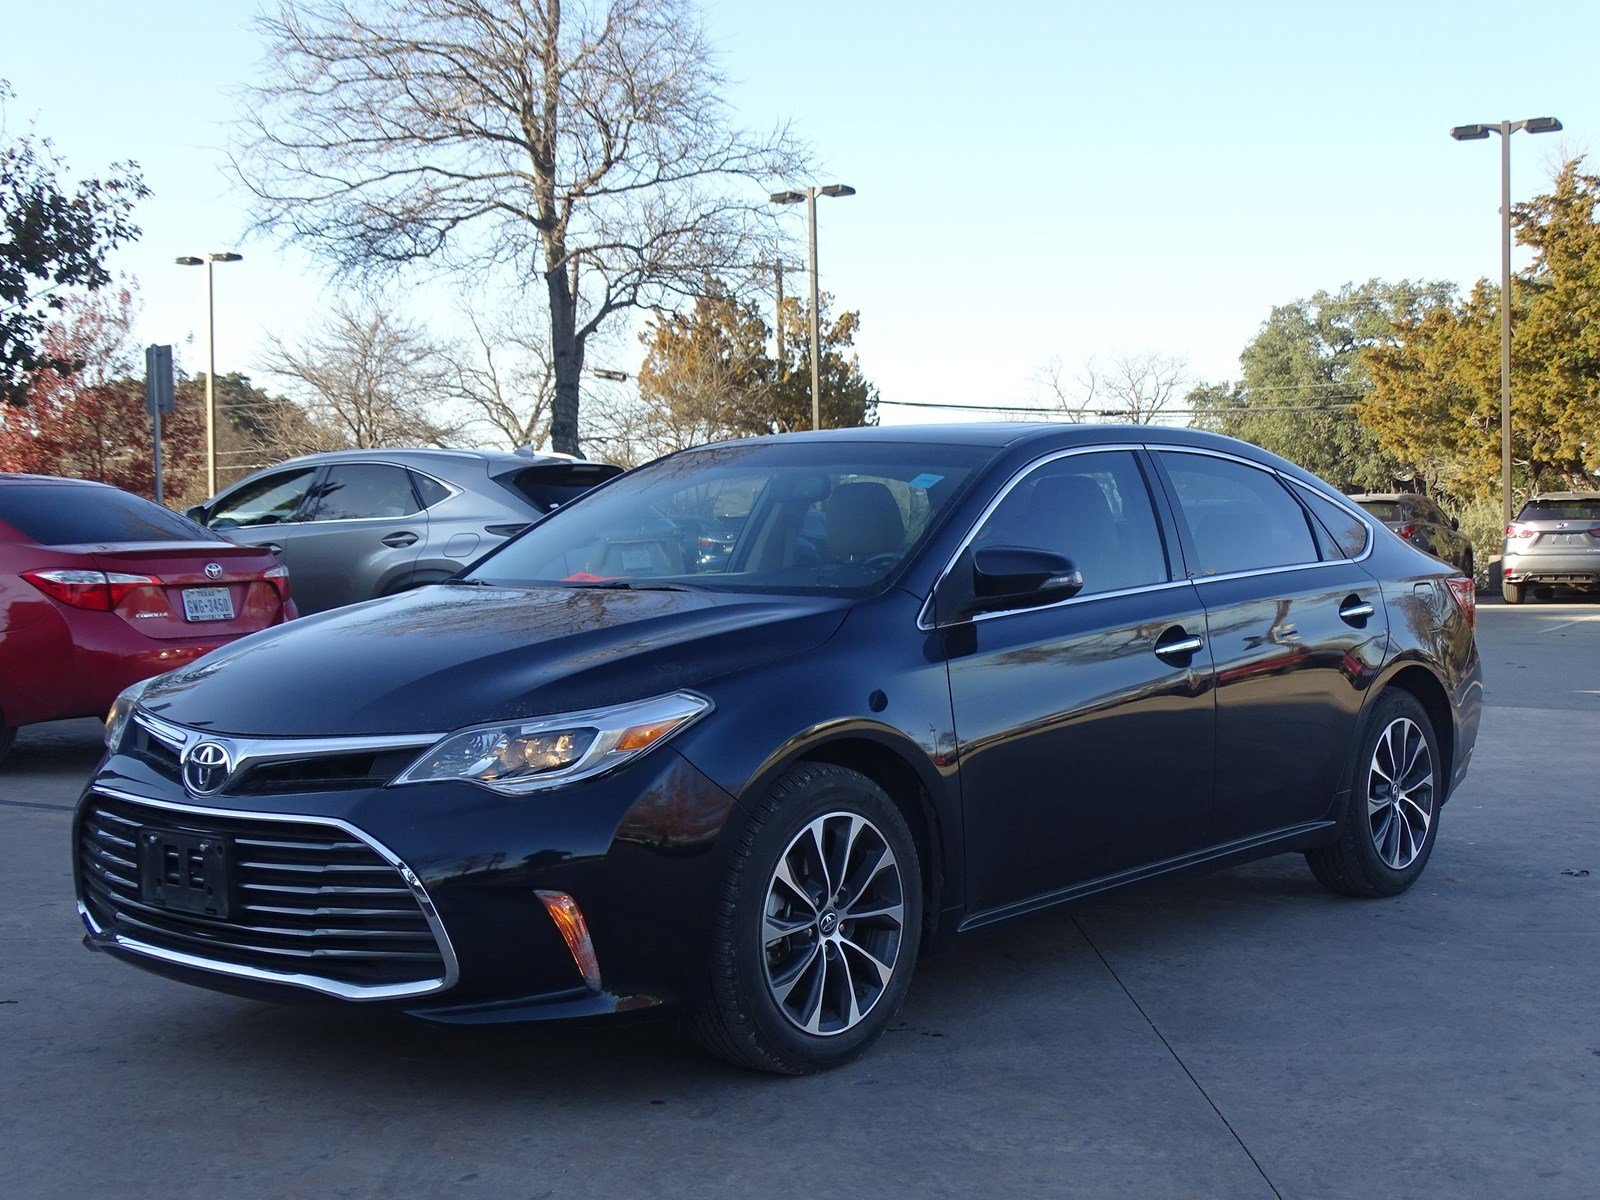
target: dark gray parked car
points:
(354, 524)
(1422, 523)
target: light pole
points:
(809, 195)
(1476, 133)
(210, 261)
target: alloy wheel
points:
(834, 920)
(1400, 793)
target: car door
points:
(1084, 728)
(266, 511)
(362, 537)
(1297, 632)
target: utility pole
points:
(809, 196)
(210, 261)
(778, 324)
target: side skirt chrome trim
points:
(329, 987)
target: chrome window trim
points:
(925, 614)
(252, 750)
(315, 983)
(925, 620)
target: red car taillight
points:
(278, 577)
(1406, 531)
(1466, 598)
(1514, 530)
(97, 591)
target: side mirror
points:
(1018, 577)
(196, 513)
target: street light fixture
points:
(809, 195)
(190, 260)
(1476, 133)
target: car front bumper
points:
(639, 850)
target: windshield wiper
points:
(634, 585)
(467, 583)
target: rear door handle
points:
(1180, 648)
(1356, 610)
(399, 540)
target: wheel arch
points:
(911, 781)
(1417, 679)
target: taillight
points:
(1466, 596)
(97, 591)
(1514, 530)
(278, 577)
(1406, 531)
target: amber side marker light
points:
(564, 911)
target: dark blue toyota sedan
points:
(940, 677)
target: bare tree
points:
(586, 141)
(505, 379)
(1132, 387)
(367, 380)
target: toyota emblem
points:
(206, 767)
(213, 570)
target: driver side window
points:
(269, 501)
(1093, 508)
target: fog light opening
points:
(564, 911)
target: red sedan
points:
(100, 589)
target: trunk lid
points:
(229, 592)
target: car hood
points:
(440, 658)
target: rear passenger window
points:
(356, 490)
(1348, 531)
(1241, 518)
(1093, 508)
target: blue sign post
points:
(158, 398)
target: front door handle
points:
(399, 540)
(1355, 610)
(1179, 650)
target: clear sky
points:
(1036, 180)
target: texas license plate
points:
(207, 604)
(184, 871)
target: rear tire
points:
(1469, 568)
(817, 926)
(1513, 593)
(1391, 817)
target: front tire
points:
(1391, 815)
(817, 927)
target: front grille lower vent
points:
(305, 899)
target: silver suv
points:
(1554, 541)
(354, 524)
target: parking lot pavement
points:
(1242, 1034)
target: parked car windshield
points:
(1560, 510)
(69, 514)
(817, 517)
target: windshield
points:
(806, 517)
(1560, 510)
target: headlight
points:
(122, 709)
(515, 757)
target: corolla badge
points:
(206, 767)
(213, 570)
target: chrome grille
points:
(310, 902)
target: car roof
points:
(1386, 496)
(1563, 496)
(18, 477)
(1041, 435)
(421, 456)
